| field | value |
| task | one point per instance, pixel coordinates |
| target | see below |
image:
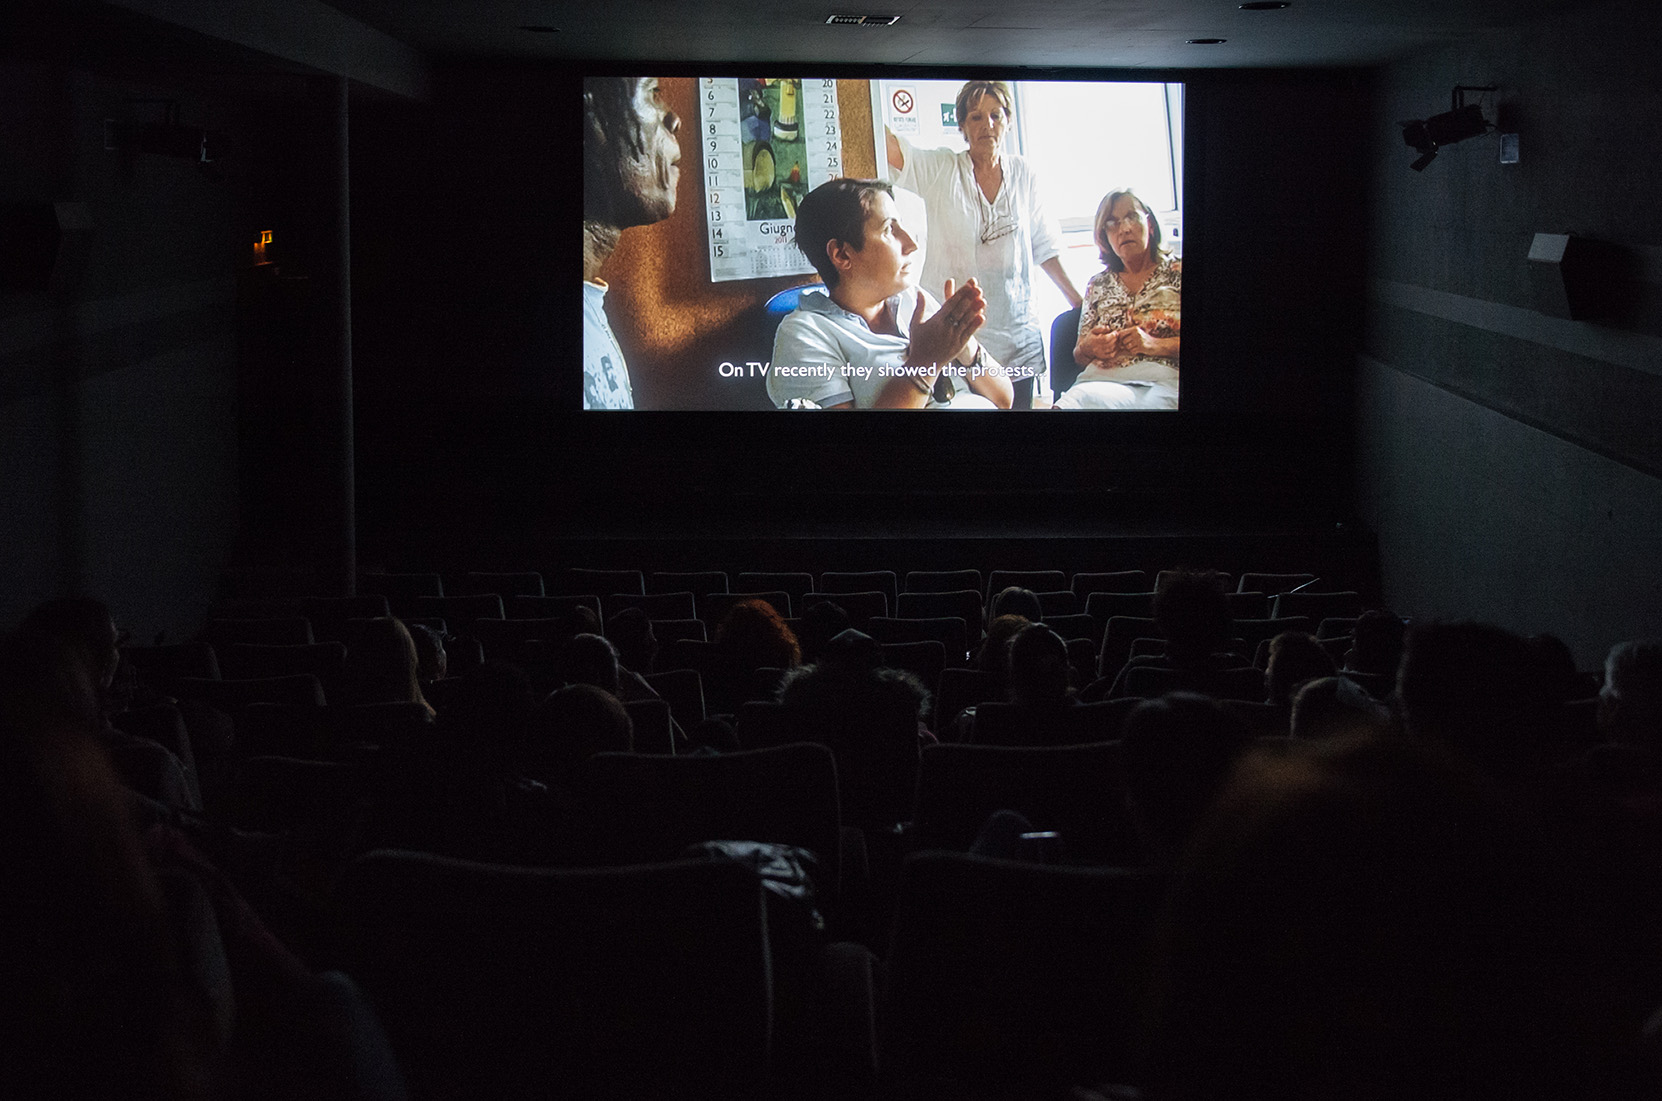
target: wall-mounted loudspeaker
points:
(1577, 278)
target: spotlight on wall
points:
(1463, 120)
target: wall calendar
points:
(765, 143)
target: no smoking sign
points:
(903, 102)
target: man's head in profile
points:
(630, 169)
(630, 153)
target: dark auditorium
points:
(424, 679)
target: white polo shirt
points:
(819, 338)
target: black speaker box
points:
(1577, 278)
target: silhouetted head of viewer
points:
(1378, 644)
(753, 635)
(591, 659)
(382, 664)
(1478, 688)
(572, 725)
(1328, 707)
(86, 632)
(1038, 660)
(1630, 703)
(1179, 751)
(1366, 917)
(1295, 658)
(1015, 600)
(1192, 615)
(637, 644)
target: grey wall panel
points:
(1607, 407)
(1482, 517)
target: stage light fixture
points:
(1463, 120)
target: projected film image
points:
(796, 243)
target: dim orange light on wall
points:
(260, 245)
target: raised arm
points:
(1064, 283)
(897, 156)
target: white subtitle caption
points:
(757, 369)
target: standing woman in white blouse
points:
(987, 221)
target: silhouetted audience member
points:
(1367, 918)
(381, 665)
(637, 646)
(1475, 687)
(569, 727)
(1330, 707)
(1555, 666)
(1179, 750)
(819, 623)
(754, 636)
(872, 718)
(1630, 703)
(591, 659)
(579, 619)
(132, 966)
(82, 634)
(1376, 648)
(100, 1005)
(460, 799)
(1191, 613)
(432, 662)
(1295, 657)
(992, 658)
(1038, 668)
(1015, 600)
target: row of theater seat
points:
(327, 617)
(680, 979)
(402, 589)
(403, 586)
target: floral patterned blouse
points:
(1157, 308)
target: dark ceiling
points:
(1041, 33)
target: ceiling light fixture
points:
(862, 20)
(539, 28)
(1207, 41)
(1266, 5)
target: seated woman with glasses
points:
(1129, 330)
(987, 222)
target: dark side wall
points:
(118, 441)
(1508, 459)
(162, 417)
